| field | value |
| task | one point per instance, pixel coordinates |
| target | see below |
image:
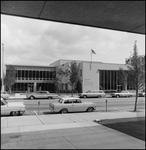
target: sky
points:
(37, 42)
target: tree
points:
(72, 73)
(123, 75)
(79, 86)
(136, 72)
(10, 77)
(58, 79)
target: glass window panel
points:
(51, 75)
(33, 74)
(23, 74)
(26, 73)
(41, 74)
(19, 74)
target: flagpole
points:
(2, 89)
(91, 60)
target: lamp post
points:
(2, 89)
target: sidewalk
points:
(66, 131)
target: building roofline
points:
(92, 61)
(30, 65)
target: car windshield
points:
(60, 100)
(4, 101)
(88, 92)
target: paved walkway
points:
(66, 131)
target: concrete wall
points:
(91, 73)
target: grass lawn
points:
(132, 126)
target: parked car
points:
(71, 104)
(122, 94)
(12, 108)
(141, 94)
(93, 93)
(4, 94)
(41, 94)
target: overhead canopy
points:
(126, 16)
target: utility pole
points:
(2, 89)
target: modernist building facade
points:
(33, 78)
(93, 76)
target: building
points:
(93, 76)
(96, 75)
(33, 78)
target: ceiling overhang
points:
(127, 16)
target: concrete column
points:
(34, 87)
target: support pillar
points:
(34, 87)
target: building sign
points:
(87, 82)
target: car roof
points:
(70, 98)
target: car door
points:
(122, 94)
(88, 93)
(39, 94)
(97, 94)
(92, 94)
(4, 109)
(43, 95)
(125, 93)
(68, 105)
(77, 105)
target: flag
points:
(92, 51)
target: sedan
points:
(4, 94)
(12, 108)
(122, 94)
(93, 94)
(71, 104)
(141, 94)
(41, 94)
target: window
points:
(60, 100)
(2, 103)
(68, 101)
(76, 101)
(80, 72)
(26, 74)
(88, 91)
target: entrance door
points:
(119, 88)
(30, 87)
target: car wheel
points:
(117, 96)
(14, 113)
(64, 111)
(99, 96)
(90, 109)
(84, 96)
(31, 97)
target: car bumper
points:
(52, 110)
(22, 111)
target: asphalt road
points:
(113, 104)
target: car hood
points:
(88, 103)
(19, 104)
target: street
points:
(113, 104)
